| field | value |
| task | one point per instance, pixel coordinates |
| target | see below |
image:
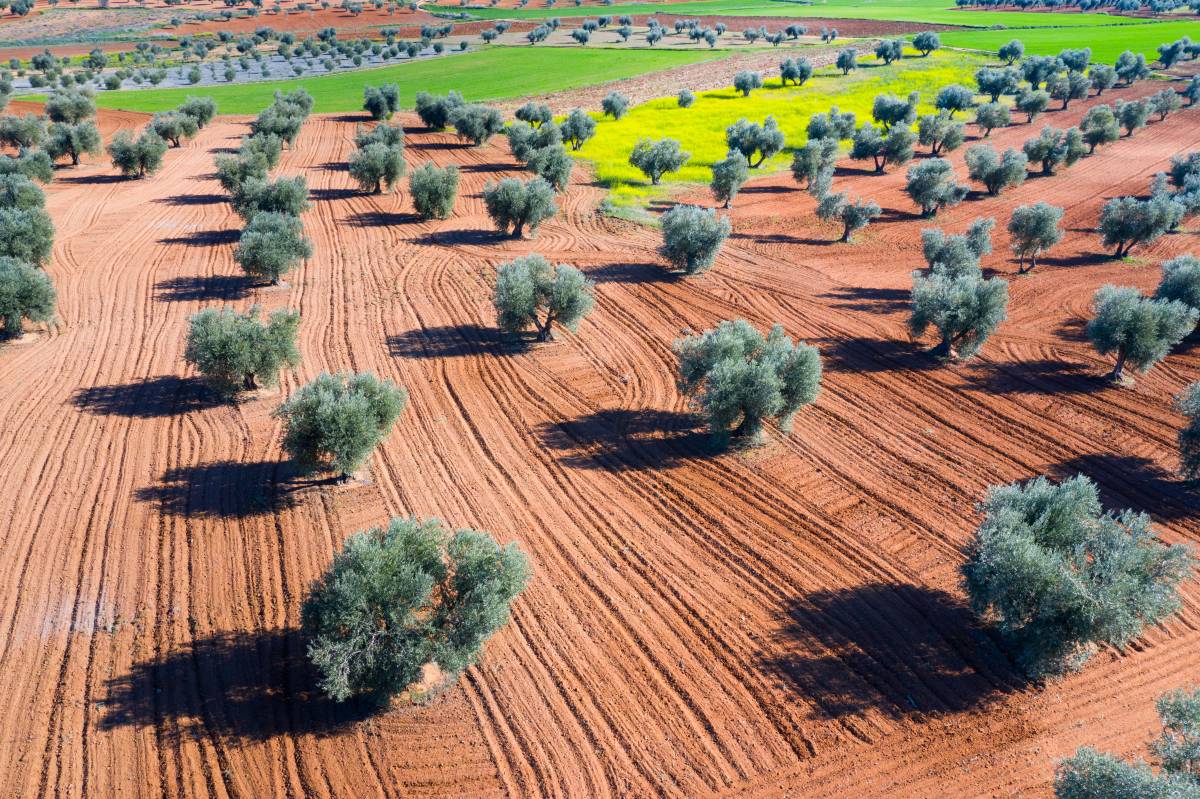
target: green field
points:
(701, 128)
(1106, 43)
(490, 74)
(933, 11)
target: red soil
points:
(782, 623)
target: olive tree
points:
(1032, 104)
(200, 109)
(240, 351)
(1033, 230)
(964, 309)
(1099, 126)
(1131, 67)
(433, 190)
(834, 124)
(657, 158)
(381, 101)
(1068, 86)
(23, 132)
(26, 234)
(1133, 115)
(435, 111)
(33, 164)
(271, 245)
(728, 176)
(65, 139)
(1103, 77)
(173, 127)
(931, 186)
(334, 422)
(18, 191)
(1053, 148)
(996, 172)
(1188, 403)
(889, 50)
(926, 42)
(137, 158)
(847, 60)
(739, 378)
(534, 114)
(958, 254)
(1139, 329)
(377, 165)
(997, 81)
(614, 105)
(514, 204)
(889, 111)
(1164, 103)
(532, 292)
(476, 123)
(796, 71)
(692, 237)
(990, 116)
(524, 139)
(283, 195)
(397, 599)
(747, 81)
(577, 128)
(26, 292)
(70, 106)
(552, 164)
(940, 133)
(1126, 222)
(954, 98)
(813, 164)
(752, 139)
(1039, 68)
(853, 216)
(894, 148)
(1012, 52)
(1089, 774)
(1058, 576)
(1180, 281)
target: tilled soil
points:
(784, 622)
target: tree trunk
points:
(250, 381)
(545, 331)
(1118, 372)
(845, 234)
(518, 230)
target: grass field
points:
(1106, 43)
(489, 74)
(701, 128)
(933, 11)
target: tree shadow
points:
(901, 650)
(205, 238)
(621, 439)
(769, 189)
(236, 686)
(1082, 259)
(490, 168)
(93, 180)
(227, 489)
(1044, 376)
(382, 219)
(1131, 481)
(1073, 330)
(785, 238)
(201, 289)
(866, 354)
(452, 238)
(448, 341)
(167, 395)
(632, 273)
(336, 166)
(873, 300)
(324, 195)
(193, 199)
(843, 171)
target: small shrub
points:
(685, 98)
(692, 237)
(381, 101)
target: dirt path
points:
(781, 624)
